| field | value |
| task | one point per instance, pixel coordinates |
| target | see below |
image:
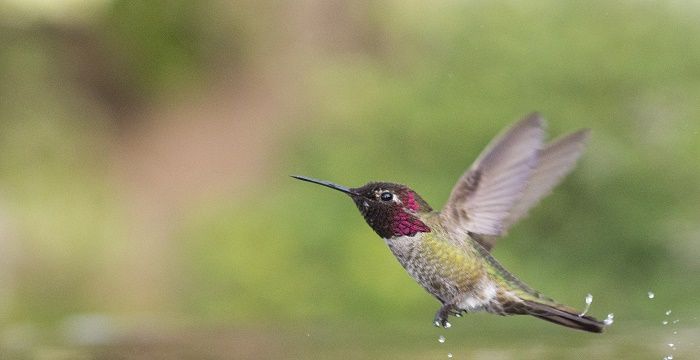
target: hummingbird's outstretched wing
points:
(555, 161)
(484, 196)
(510, 176)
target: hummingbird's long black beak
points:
(326, 184)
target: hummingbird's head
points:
(390, 209)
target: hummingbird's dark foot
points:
(442, 315)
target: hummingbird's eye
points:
(386, 196)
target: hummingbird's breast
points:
(446, 270)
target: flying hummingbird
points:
(448, 252)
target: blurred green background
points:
(146, 209)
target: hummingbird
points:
(448, 252)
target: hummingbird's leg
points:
(443, 313)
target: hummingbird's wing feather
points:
(483, 197)
(556, 161)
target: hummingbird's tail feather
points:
(563, 316)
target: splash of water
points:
(650, 295)
(675, 332)
(609, 320)
(441, 339)
(449, 355)
(589, 300)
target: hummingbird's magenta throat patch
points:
(410, 201)
(407, 225)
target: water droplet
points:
(665, 322)
(675, 332)
(668, 312)
(668, 357)
(458, 315)
(449, 355)
(589, 300)
(676, 321)
(448, 325)
(609, 320)
(650, 295)
(441, 339)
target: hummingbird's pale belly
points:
(449, 273)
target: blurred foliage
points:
(415, 102)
